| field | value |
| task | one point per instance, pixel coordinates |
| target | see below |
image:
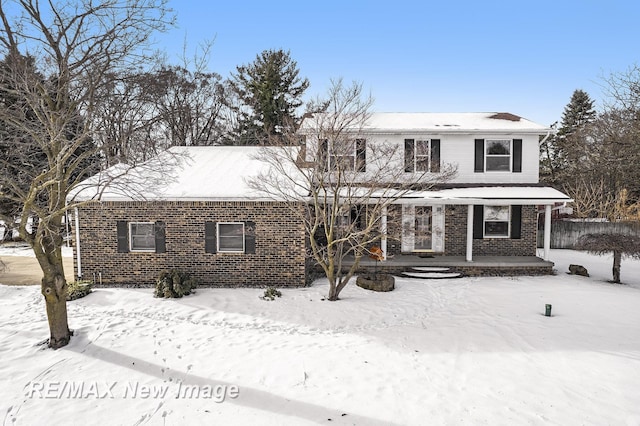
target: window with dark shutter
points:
(517, 156)
(123, 236)
(160, 234)
(516, 222)
(210, 239)
(409, 155)
(435, 155)
(361, 155)
(479, 156)
(250, 237)
(323, 153)
(478, 222)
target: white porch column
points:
(383, 231)
(547, 231)
(469, 233)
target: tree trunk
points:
(333, 290)
(54, 290)
(617, 258)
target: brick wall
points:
(456, 236)
(279, 259)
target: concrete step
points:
(432, 275)
(431, 269)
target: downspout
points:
(546, 137)
(77, 219)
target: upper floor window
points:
(498, 155)
(422, 155)
(348, 155)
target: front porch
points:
(480, 266)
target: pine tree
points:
(578, 113)
(268, 91)
(561, 153)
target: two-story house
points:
(205, 219)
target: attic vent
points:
(505, 116)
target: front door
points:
(422, 228)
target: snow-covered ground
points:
(456, 351)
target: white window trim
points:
(486, 147)
(131, 249)
(484, 221)
(218, 237)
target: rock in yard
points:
(578, 270)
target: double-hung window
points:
(498, 155)
(343, 156)
(231, 237)
(422, 155)
(497, 221)
(142, 236)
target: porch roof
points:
(489, 195)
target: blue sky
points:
(424, 56)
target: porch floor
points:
(481, 265)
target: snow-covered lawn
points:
(456, 351)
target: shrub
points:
(271, 293)
(78, 289)
(175, 284)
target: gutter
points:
(77, 220)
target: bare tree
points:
(189, 100)
(338, 184)
(618, 244)
(78, 48)
(124, 118)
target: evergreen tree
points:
(578, 113)
(561, 153)
(268, 92)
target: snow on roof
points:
(420, 122)
(181, 173)
(493, 194)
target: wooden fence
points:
(564, 234)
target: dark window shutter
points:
(517, 155)
(210, 240)
(123, 236)
(478, 222)
(323, 152)
(250, 237)
(361, 155)
(160, 233)
(435, 155)
(408, 155)
(479, 156)
(516, 222)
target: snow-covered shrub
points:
(78, 289)
(175, 284)
(271, 293)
